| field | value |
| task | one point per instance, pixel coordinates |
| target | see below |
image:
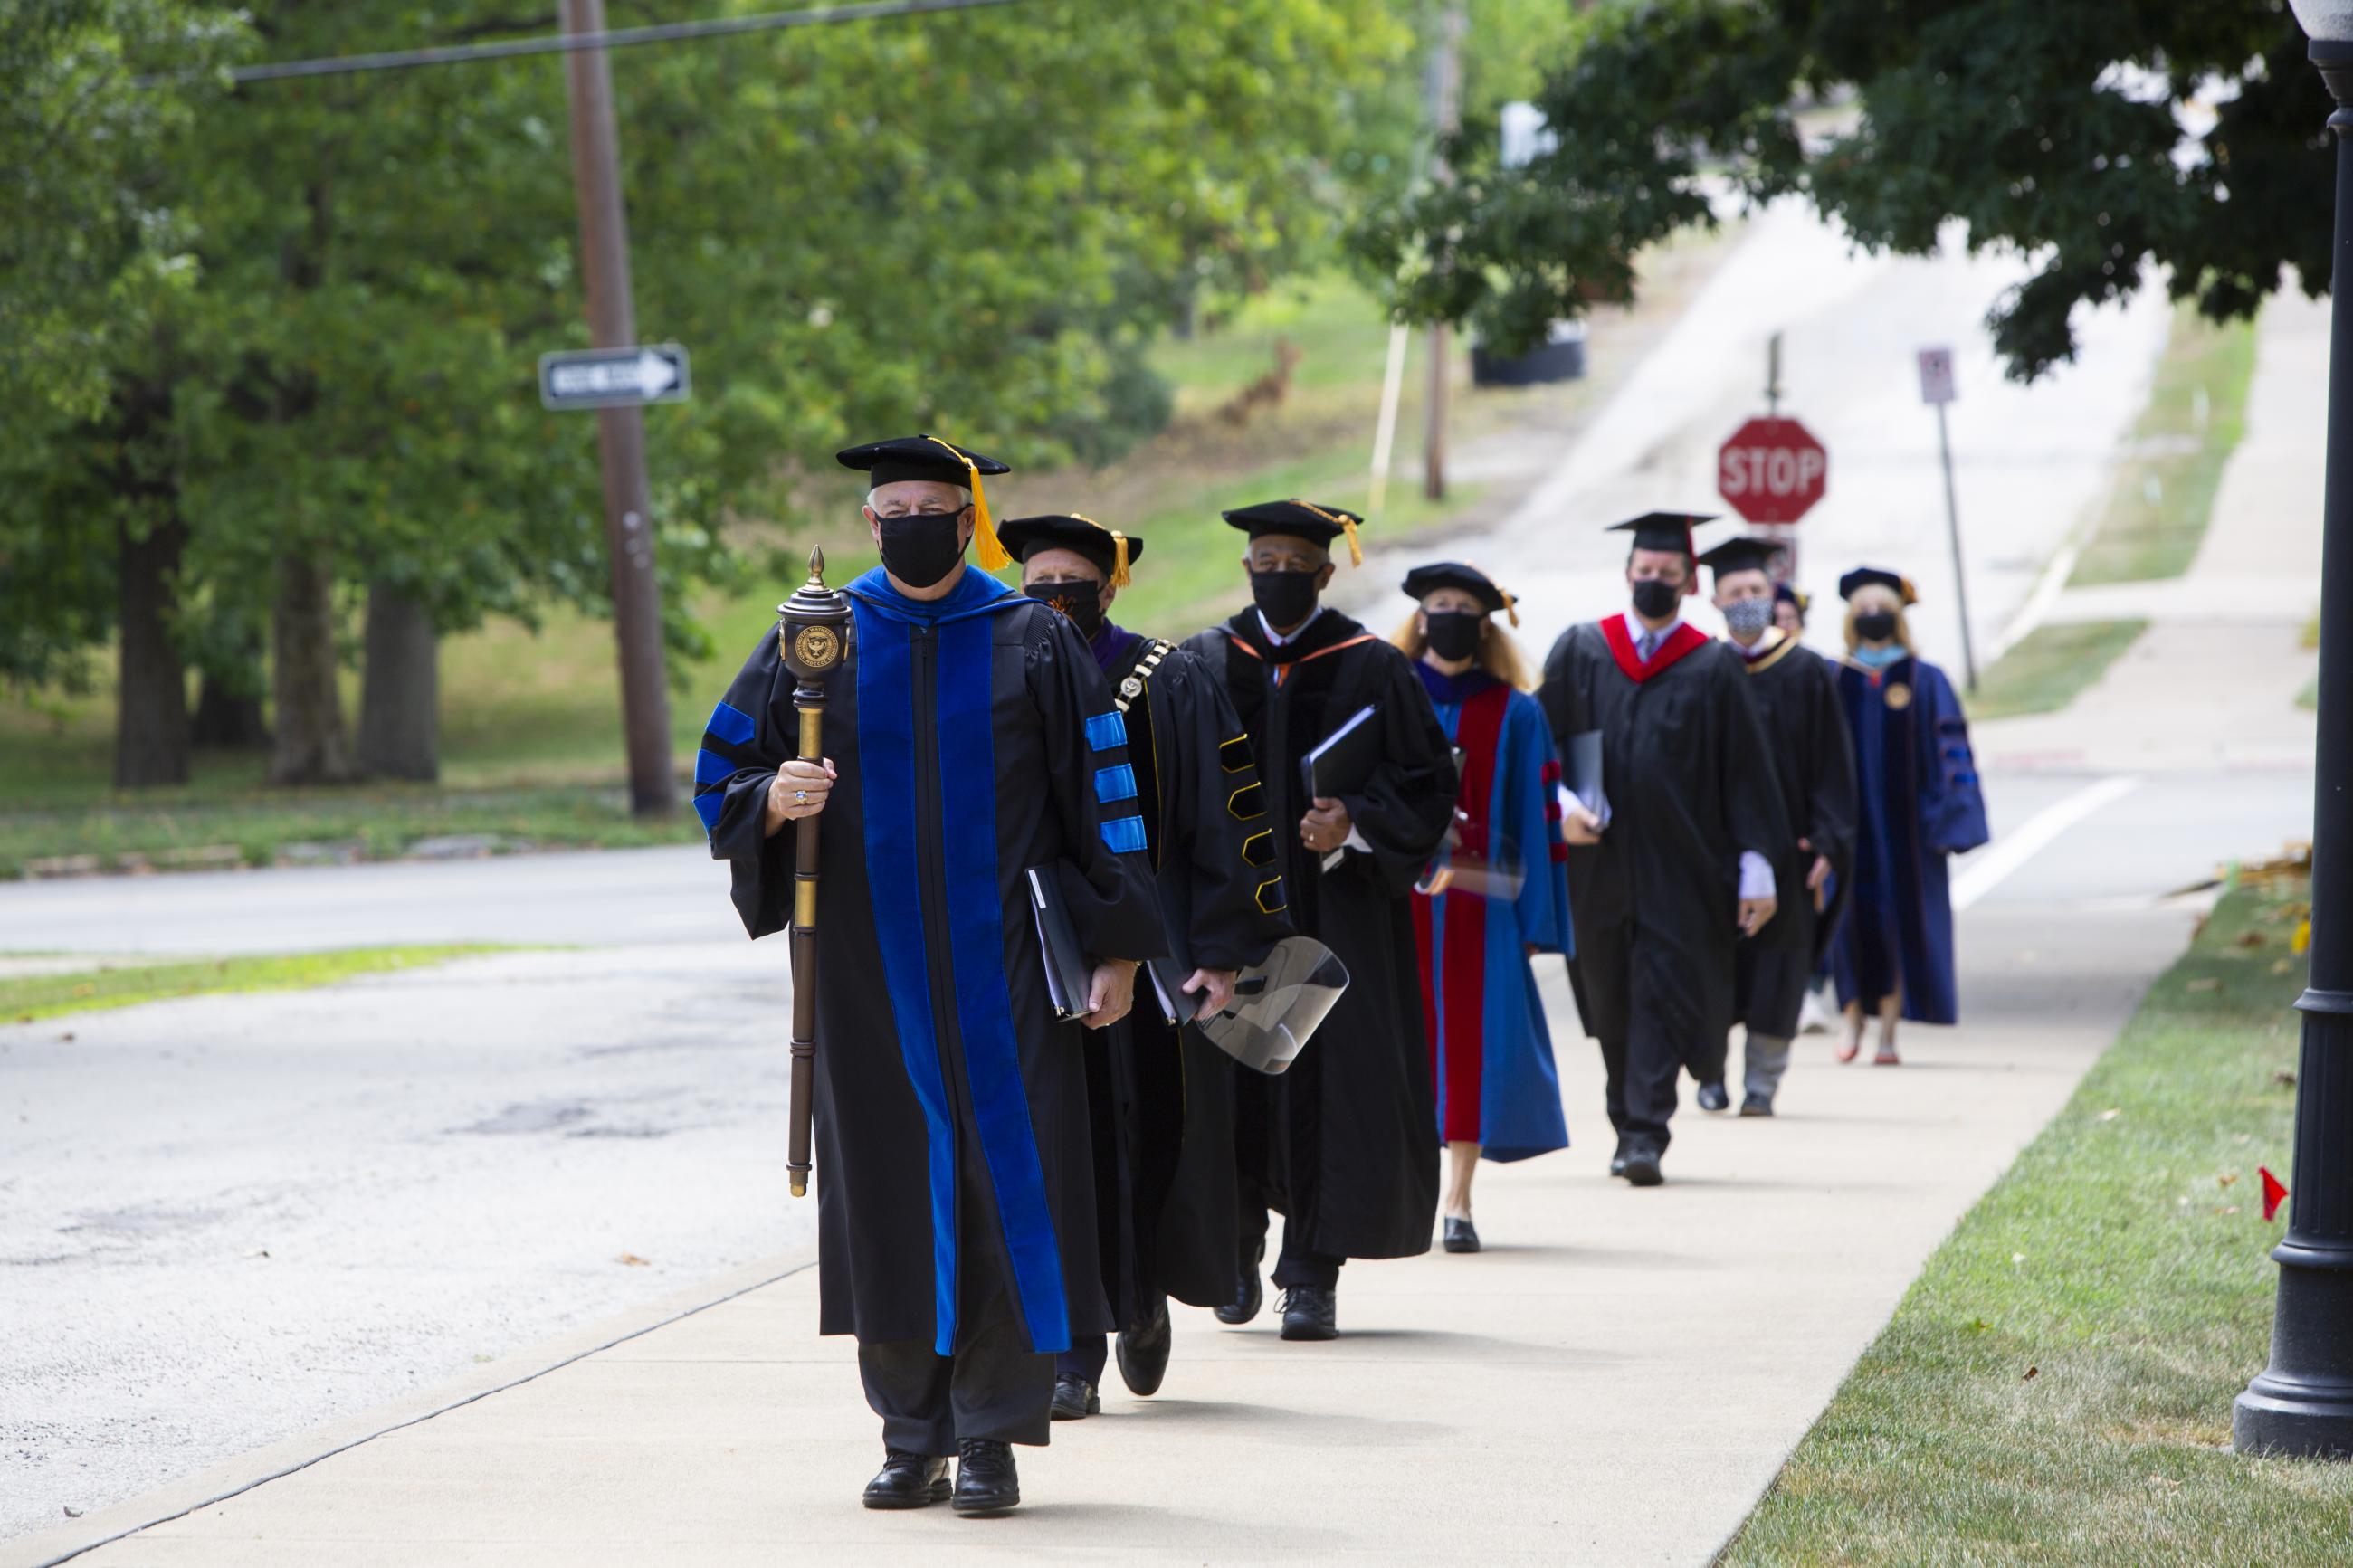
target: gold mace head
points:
(816, 568)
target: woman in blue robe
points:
(1497, 895)
(1920, 802)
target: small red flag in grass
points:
(2273, 1191)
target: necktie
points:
(1649, 646)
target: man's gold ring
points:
(800, 797)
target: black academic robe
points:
(1691, 785)
(975, 739)
(1164, 1096)
(1341, 1143)
(1796, 697)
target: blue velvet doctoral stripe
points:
(886, 758)
(708, 805)
(1115, 784)
(992, 1055)
(730, 723)
(1107, 732)
(709, 767)
(1124, 835)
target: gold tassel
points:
(1356, 551)
(993, 554)
(1119, 578)
(1511, 606)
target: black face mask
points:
(1285, 598)
(1081, 602)
(1875, 626)
(1655, 598)
(1454, 634)
(920, 548)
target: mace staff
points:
(811, 634)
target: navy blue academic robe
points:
(1920, 802)
(975, 739)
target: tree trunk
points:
(400, 731)
(150, 708)
(229, 703)
(311, 747)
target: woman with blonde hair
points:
(1498, 894)
(1920, 802)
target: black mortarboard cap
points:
(1785, 593)
(1740, 555)
(1300, 519)
(941, 462)
(1866, 576)
(1108, 548)
(1662, 530)
(1423, 581)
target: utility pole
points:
(620, 432)
(1444, 89)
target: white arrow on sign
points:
(656, 373)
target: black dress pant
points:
(1296, 1266)
(995, 1386)
(1643, 1050)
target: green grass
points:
(24, 998)
(2164, 493)
(2050, 666)
(2056, 1386)
(2309, 697)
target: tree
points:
(2072, 132)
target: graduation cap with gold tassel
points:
(1300, 519)
(1108, 548)
(1423, 581)
(940, 462)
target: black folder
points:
(1342, 761)
(1070, 976)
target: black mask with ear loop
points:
(1656, 598)
(1875, 626)
(1285, 598)
(1081, 602)
(922, 547)
(1454, 634)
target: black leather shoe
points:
(1074, 1397)
(1143, 1350)
(986, 1481)
(1643, 1167)
(1618, 1160)
(1714, 1097)
(1756, 1105)
(1310, 1312)
(1462, 1235)
(1248, 1295)
(908, 1480)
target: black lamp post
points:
(2302, 1403)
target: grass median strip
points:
(2056, 1386)
(2050, 666)
(25, 998)
(2165, 488)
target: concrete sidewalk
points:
(1614, 1381)
(2213, 681)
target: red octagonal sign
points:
(1772, 470)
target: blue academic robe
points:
(1920, 802)
(1491, 1054)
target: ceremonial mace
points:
(809, 628)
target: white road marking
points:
(1986, 869)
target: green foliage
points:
(2051, 666)
(2056, 1386)
(975, 223)
(2053, 130)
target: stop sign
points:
(1772, 470)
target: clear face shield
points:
(1277, 1005)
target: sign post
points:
(1937, 390)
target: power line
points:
(616, 38)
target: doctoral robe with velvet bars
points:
(1164, 1096)
(975, 739)
(1920, 802)
(1340, 1144)
(1490, 1051)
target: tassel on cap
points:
(994, 556)
(1340, 520)
(1119, 578)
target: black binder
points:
(1068, 974)
(1342, 762)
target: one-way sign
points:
(612, 378)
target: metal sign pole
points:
(1953, 525)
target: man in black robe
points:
(1162, 1095)
(973, 738)
(1797, 700)
(1342, 1144)
(1662, 889)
